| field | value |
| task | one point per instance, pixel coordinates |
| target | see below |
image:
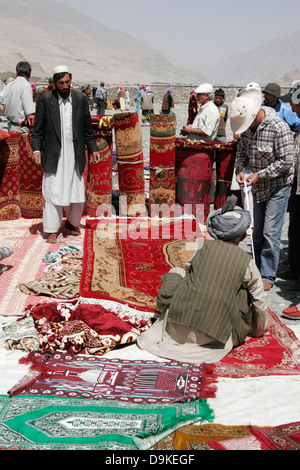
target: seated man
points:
(205, 309)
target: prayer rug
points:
(125, 258)
(65, 375)
(24, 235)
(84, 328)
(194, 175)
(99, 181)
(31, 178)
(225, 158)
(162, 161)
(284, 437)
(47, 423)
(196, 437)
(277, 352)
(129, 148)
(241, 443)
(10, 205)
(21, 335)
(60, 283)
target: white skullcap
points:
(60, 69)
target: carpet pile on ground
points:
(74, 377)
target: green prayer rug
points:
(51, 423)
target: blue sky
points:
(186, 29)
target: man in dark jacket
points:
(61, 133)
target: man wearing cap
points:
(62, 130)
(206, 123)
(293, 97)
(272, 94)
(205, 308)
(266, 144)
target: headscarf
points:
(33, 86)
(169, 90)
(229, 222)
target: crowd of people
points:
(266, 133)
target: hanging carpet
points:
(47, 423)
(194, 160)
(31, 179)
(125, 258)
(10, 204)
(225, 158)
(65, 375)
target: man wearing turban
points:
(216, 302)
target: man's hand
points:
(97, 157)
(187, 129)
(37, 158)
(251, 180)
(240, 178)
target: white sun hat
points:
(244, 110)
(60, 69)
(252, 85)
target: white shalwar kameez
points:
(65, 189)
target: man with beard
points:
(62, 130)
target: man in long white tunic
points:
(62, 129)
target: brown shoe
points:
(73, 230)
(267, 285)
(51, 238)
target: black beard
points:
(64, 94)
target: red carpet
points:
(125, 258)
(276, 353)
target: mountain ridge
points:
(49, 34)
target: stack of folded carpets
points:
(129, 148)
(162, 162)
(99, 181)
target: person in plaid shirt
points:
(266, 143)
